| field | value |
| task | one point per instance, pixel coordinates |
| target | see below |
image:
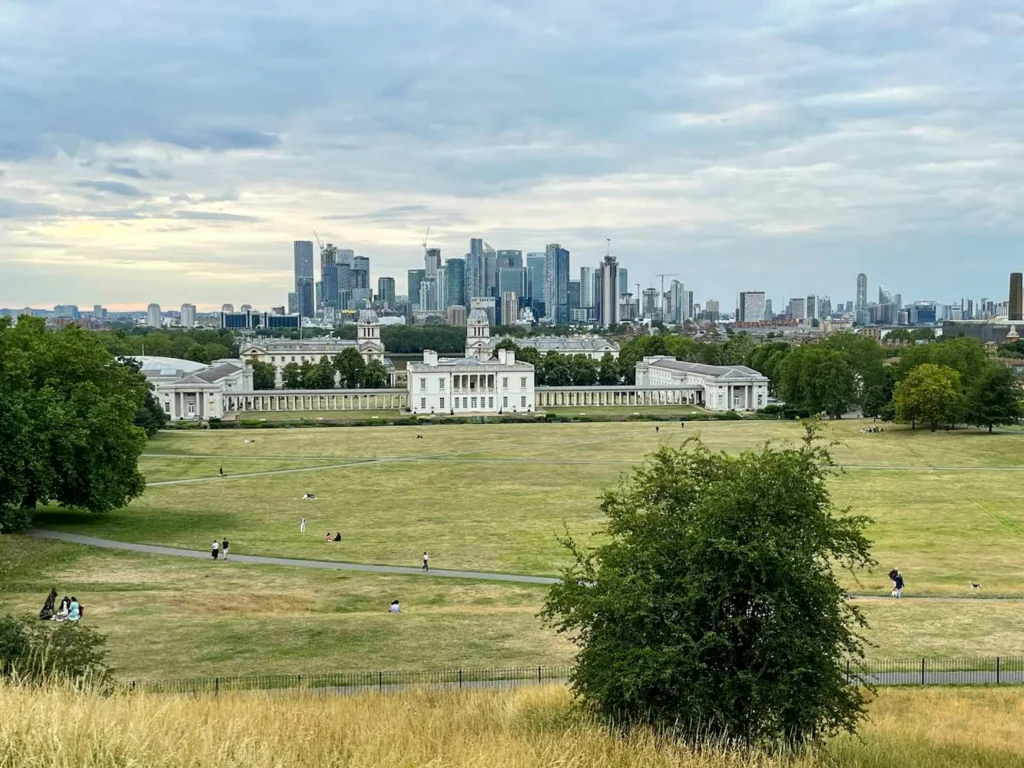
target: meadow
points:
(524, 728)
(483, 497)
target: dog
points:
(975, 586)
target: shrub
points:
(772, 409)
(38, 652)
(14, 519)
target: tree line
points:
(346, 370)
(201, 345)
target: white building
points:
(153, 318)
(281, 352)
(724, 388)
(194, 391)
(467, 385)
(480, 344)
(188, 316)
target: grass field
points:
(525, 728)
(483, 497)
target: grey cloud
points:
(113, 188)
(211, 216)
(125, 170)
(13, 209)
(221, 140)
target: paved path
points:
(520, 578)
(74, 538)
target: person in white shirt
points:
(302, 525)
(215, 549)
(395, 607)
(426, 562)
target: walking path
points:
(520, 578)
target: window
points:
(441, 385)
(472, 402)
(760, 400)
(167, 407)
(423, 385)
(423, 402)
(490, 402)
(293, 358)
(522, 383)
(465, 402)
(442, 402)
(504, 402)
(524, 401)
(504, 382)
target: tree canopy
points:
(994, 398)
(931, 394)
(817, 379)
(714, 608)
(67, 422)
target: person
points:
(48, 610)
(222, 471)
(337, 536)
(224, 548)
(899, 585)
(394, 607)
(426, 562)
(74, 610)
(657, 429)
(682, 425)
(892, 577)
(302, 525)
(327, 538)
(62, 612)
(214, 549)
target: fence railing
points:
(991, 670)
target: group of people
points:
(872, 429)
(219, 548)
(896, 577)
(70, 609)
(329, 538)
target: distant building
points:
(187, 390)
(608, 292)
(188, 316)
(1016, 310)
(153, 316)
(416, 278)
(509, 307)
(723, 388)
(751, 308)
(535, 281)
(468, 385)
(305, 300)
(456, 314)
(386, 292)
(556, 284)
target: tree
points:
(555, 370)
(994, 398)
(931, 394)
(375, 375)
(876, 399)
(816, 379)
(714, 609)
(291, 376)
(263, 375)
(350, 367)
(583, 371)
(508, 344)
(320, 375)
(608, 372)
(67, 422)
(197, 353)
(307, 375)
(38, 653)
(151, 416)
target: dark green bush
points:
(39, 652)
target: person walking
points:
(899, 585)
(224, 548)
(222, 472)
(302, 525)
(426, 562)
(215, 549)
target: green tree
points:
(508, 344)
(931, 394)
(994, 398)
(816, 379)
(738, 348)
(608, 372)
(197, 353)
(263, 375)
(714, 609)
(67, 422)
(151, 416)
(555, 370)
(583, 371)
(291, 376)
(350, 367)
(375, 375)
(307, 375)
(876, 399)
(320, 375)
(38, 653)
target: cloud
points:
(211, 216)
(125, 170)
(12, 209)
(113, 187)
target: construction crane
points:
(318, 243)
(426, 238)
(667, 274)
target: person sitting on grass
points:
(337, 536)
(74, 610)
(62, 612)
(48, 606)
(394, 607)
(328, 539)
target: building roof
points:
(713, 371)
(298, 345)
(158, 367)
(565, 344)
(368, 316)
(467, 362)
(478, 316)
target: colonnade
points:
(326, 400)
(605, 396)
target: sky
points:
(172, 151)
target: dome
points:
(478, 317)
(367, 316)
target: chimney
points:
(430, 357)
(501, 356)
(510, 357)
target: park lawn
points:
(176, 617)
(314, 416)
(624, 410)
(157, 469)
(168, 617)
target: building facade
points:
(190, 391)
(751, 308)
(386, 292)
(467, 385)
(722, 388)
(153, 316)
(188, 316)
(556, 284)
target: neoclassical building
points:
(721, 387)
(481, 345)
(190, 391)
(281, 352)
(467, 385)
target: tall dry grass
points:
(525, 728)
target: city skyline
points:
(789, 141)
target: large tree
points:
(994, 398)
(67, 422)
(816, 379)
(350, 367)
(375, 375)
(714, 608)
(583, 370)
(931, 394)
(291, 376)
(608, 371)
(321, 375)
(263, 375)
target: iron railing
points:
(990, 670)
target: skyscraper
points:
(360, 272)
(587, 287)
(860, 304)
(153, 319)
(509, 307)
(188, 316)
(511, 259)
(416, 277)
(676, 310)
(1016, 303)
(512, 279)
(304, 294)
(574, 295)
(608, 292)
(476, 270)
(432, 260)
(329, 276)
(650, 303)
(624, 281)
(535, 282)
(455, 276)
(386, 292)
(813, 308)
(556, 284)
(769, 310)
(751, 306)
(798, 309)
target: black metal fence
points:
(992, 670)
